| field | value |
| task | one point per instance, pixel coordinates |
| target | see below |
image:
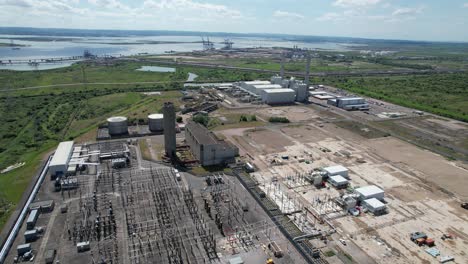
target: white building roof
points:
(323, 97)
(62, 154)
(280, 90)
(351, 98)
(338, 179)
(374, 203)
(335, 169)
(317, 93)
(257, 82)
(268, 86)
(369, 190)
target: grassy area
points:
(442, 94)
(145, 151)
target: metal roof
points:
(268, 86)
(257, 82)
(62, 154)
(351, 98)
(280, 90)
(338, 179)
(369, 190)
(374, 203)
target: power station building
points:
(59, 163)
(278, 96)
(206, 147)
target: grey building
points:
(169, 124)
(206, 147)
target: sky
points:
(435, 20)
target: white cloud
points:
(181, 6)
(407, 11)
(465, 5)
(285, 14)
(356, 3)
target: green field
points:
(442, 94)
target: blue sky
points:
(440, 20)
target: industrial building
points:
(59, 163)
(155, 122)
(375, 206)
(369, 192)
(206, 147)
(32, 218)
(278, 96)
(349, 103)
(169, 125)
(336, 170)
(117, 125)
(338, 181)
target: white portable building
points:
(374, 206)
(369, 192)
(336, 170)
(338, 181)
(59, 162)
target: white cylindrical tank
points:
(117, 125)
(155, 122)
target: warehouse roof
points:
(338, 179)
(280, 90)
(351, 98)
(335, 169)
(374, 203)
(257, 82)
(268, 86)
(62, 154)
(369, 190)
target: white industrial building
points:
(350, 103)
(338, 181)
(59, 163)
(249, 85)
(369, 192)
(374, 206)
(336, 170)
(258, 89)
(278, 96)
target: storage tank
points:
(155, 122)
(117, 125)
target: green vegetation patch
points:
(441, 94)
(278, 119)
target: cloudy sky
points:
(443, 20)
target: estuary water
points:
(37, 48)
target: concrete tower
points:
(282, 66)
(307, 72)
(169, 123)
